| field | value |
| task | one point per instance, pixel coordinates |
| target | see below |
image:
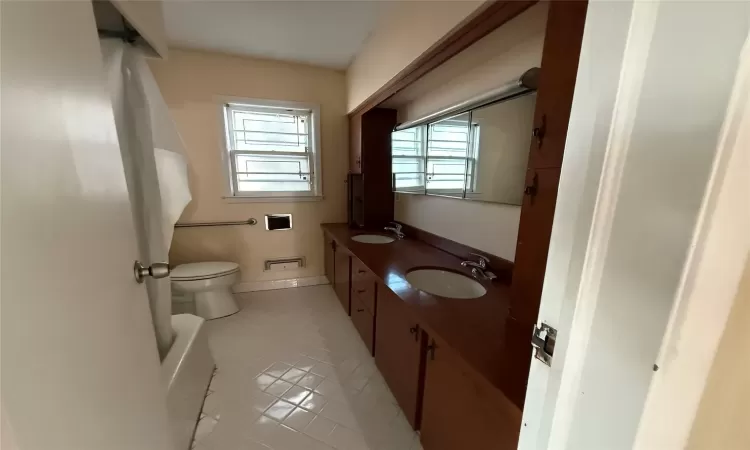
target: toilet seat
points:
(203, 270)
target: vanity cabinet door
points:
(342, 276)
(364, 322)
(461, 411)
(398, 352)
(329, 248)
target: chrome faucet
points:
(480, 269)
(396, 228)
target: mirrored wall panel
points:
(501, 141)
(408, 154)
(478, 155)
(448, 143)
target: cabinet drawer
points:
(360, 271)
(364, 291)
(364, 322)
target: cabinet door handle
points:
(361, 291)
(431, 350)
(415, 331)
(538, 132)
(360, 271)
(360, 309)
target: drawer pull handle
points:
(361, 271)
(361, 291)
(360, 310)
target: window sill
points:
(240, 199)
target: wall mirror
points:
(502, 139)
(478, 153)
(448, 142)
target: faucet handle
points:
(396, 225)
(483, 260)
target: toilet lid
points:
(203, 270)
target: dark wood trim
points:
(487, 18)
(500, 266)
(560, 55)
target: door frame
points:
(711, 277)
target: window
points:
(273, 149)
(408, 153)
(450, 155)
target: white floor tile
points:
(278, 369)
(279, 410)
(305, 363)
(293, 374)
(278, 388)
(296, 395)
(320, 428)
(310, 381)
(262, 381)
(299, 419)
(343, 438)
(314, 402)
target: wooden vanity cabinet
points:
(329, 256)
(371, 198)
(363, 300)
(459, 410)
(364, 322)
(398, 352)
(342, 276)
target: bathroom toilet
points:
(209, 283)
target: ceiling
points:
(324, 33)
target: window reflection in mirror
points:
(503, 138)
(448, 154)
(408, 159)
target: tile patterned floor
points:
(293, 374)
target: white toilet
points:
(209, 283)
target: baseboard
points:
(269, 285)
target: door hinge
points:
(543, 341)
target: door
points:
(398, 352)
(134, 102)
(461, 411)
(625, 220)
(342, 275)
(80, 366)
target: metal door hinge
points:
(543, 341)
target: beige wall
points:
(499, 57)
(722, 421)
(406, 30)
(193, 84)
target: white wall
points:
(491, 62)
(405, 31)
(195, 84)
(146, 16)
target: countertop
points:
(478, 330)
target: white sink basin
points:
(373, 239)
(445, 283)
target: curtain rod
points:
(525, 84)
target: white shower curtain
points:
(155, 169)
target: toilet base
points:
(215, 304)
